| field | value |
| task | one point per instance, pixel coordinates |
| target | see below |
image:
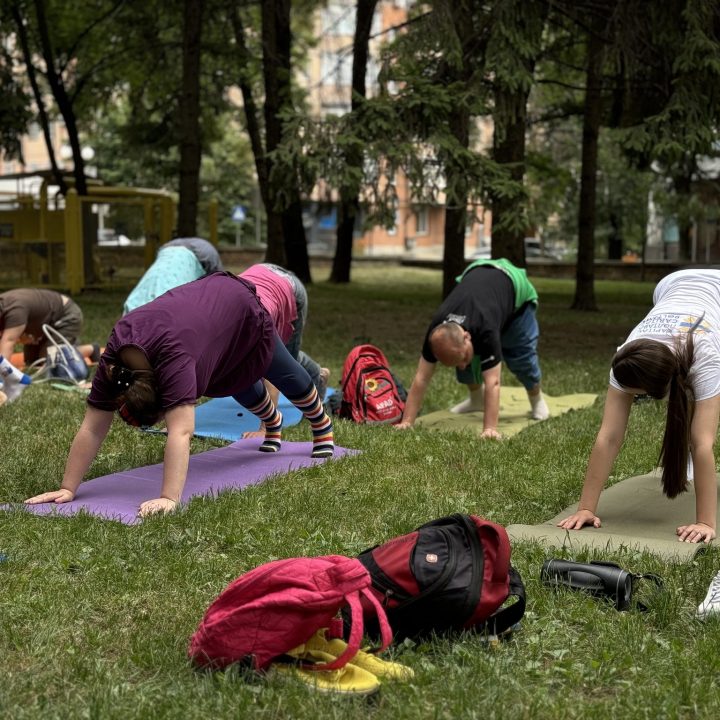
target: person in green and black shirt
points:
(488, 317)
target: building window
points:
(336, 108)
(339, 20)
(396, 221)
(336, 69)
(469, 222)
(421, 221)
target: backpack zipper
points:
(477, 552)
(389, 588)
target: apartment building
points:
(419, 226)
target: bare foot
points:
(322, 384)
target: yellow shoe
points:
(385, 669)
(348, 680)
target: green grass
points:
(95, 616)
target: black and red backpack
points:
(449, 575)
(370, 393)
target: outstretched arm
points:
(702, 439)
(180, 422)
(83, 450)
(606, 448)
(420, 384)
(9, 338)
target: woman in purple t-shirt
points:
(210, 337)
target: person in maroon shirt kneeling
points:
(210, 337)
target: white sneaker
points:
(475, 402)
(467, 406)
(711, 604)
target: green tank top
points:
(524, 291)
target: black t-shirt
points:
(482, 303)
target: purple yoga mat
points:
(118, 496)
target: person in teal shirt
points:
(178, 262)
(488, 317)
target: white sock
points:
(10, 373)
(539, 408)
(475, 402)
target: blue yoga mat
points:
(226, 419)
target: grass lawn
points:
(95, 616)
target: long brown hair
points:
(660, 371)
(136, 394)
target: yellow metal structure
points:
(51, 239)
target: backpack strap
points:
(505, 618)
(357, 628)
(386, 634)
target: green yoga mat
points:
(635, 515)
(514, 412)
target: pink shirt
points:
(277, 297)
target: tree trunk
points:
(39, 102)
(277, 72)
(455, 204)
(295, 243)
(511, 91)
(682, 183)
(454, 248)
(66, 110)
(342, 260)
(508, 239)
(189, 120)
(585, 269)
(275, 252)
(350, 200)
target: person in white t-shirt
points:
(673, 353)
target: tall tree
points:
(277, 72)
(68, 58)
(585, 270)
(189, 120)
(514, 48)
(270, 129)
(44, 121)
(350, 193)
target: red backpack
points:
(450, 574)
(276, 607)
(369, 391)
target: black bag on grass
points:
(601, 579)
(451, 574)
